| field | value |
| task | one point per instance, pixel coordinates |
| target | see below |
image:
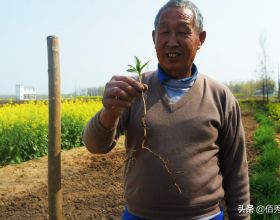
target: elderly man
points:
(193, 123)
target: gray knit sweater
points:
(201, 139)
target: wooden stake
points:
(54, 154)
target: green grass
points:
(264, 176)
(265, 190)
(269, 161)
(265, 186)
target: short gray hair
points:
(198, 18)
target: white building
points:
(25, 92)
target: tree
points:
(264, 68)
(269, 86)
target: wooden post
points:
(54, 154)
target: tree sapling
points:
(138, 69)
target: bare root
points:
(131, 153)
(166, 168)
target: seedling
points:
(138, 68)
(131, 154)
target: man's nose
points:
(172, 40)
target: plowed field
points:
(92, 188)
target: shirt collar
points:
(163, 76)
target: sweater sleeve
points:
(98, 139)
(233, 161)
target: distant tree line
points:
(96, 91)
(90, 91)
(253, 87)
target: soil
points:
(91, 184)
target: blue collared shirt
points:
(176, 88)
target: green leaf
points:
(132, 70)
(138, 64)
(137, 61)
(131, 67)
(137, 68)
(142, 67)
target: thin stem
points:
(143, 120)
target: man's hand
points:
(119, 93)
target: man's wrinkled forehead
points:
(180, 15)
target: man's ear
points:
(202, 37)
(153, 35)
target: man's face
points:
(177, 41)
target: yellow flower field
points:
(274, 110)
(24, 128)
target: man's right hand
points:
(119, 94)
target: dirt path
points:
(91, 188)
(250, 126)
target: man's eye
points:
(183, 33)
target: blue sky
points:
(99, 38)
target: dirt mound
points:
(91, 187)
